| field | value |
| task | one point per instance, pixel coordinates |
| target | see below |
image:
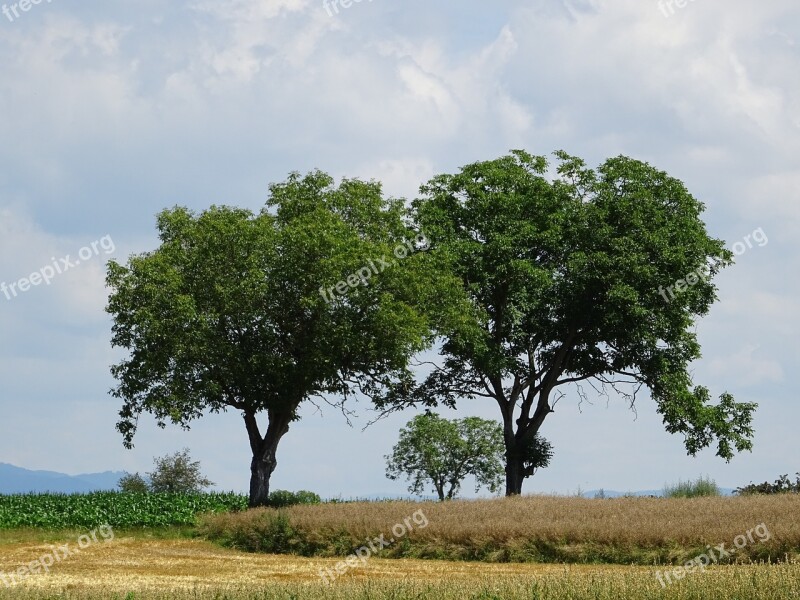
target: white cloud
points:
(401, 178)
(745, 369)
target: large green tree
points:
(563, 272)
(258, 313)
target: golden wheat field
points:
(642, 520)
(535, 528)
(130, 568)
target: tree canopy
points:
(173, 473)
(562, 271)
(228, 313)
(436, 451)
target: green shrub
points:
(703, 486)
(284, 498)
(133, 484)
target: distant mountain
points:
(16, 480)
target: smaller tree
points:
(175, 473)
(443, 452)
(178, 473)
(133, 484)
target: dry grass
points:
(134, 569)
(539, 528)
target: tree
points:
(235, 310)
(563, 275)
(173, 473)
(442, 452)
(133, 484)
(177, 473)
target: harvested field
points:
(132, 569)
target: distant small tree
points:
(177, 473)
(133, 484)
(782, 485)
(443, 452)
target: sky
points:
(111, 111)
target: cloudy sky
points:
(111, 111)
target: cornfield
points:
(116, 509)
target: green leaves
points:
(442, 452)
(563, 276)
(230, 311)
(177, 473)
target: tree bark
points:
(515, 467)
(440, 490)
(265, 451)
(514, 452)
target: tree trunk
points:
(516, 443)
(515, 471)
(514, 453)
(260, 472)
(264, 456)
(440, 490)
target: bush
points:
(782, 485)
(133, 484)
(173, 474)
(178, 474)
(692, 489)
(284, 498)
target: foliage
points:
(563, 274)
(233, 311)
(537, 455)
(283, 498)
(692, 489)
(177, 473)
(112, 508)
(443, 452)
(782, 485)
(173, 473)
(133, 484)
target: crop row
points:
(116, 509)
